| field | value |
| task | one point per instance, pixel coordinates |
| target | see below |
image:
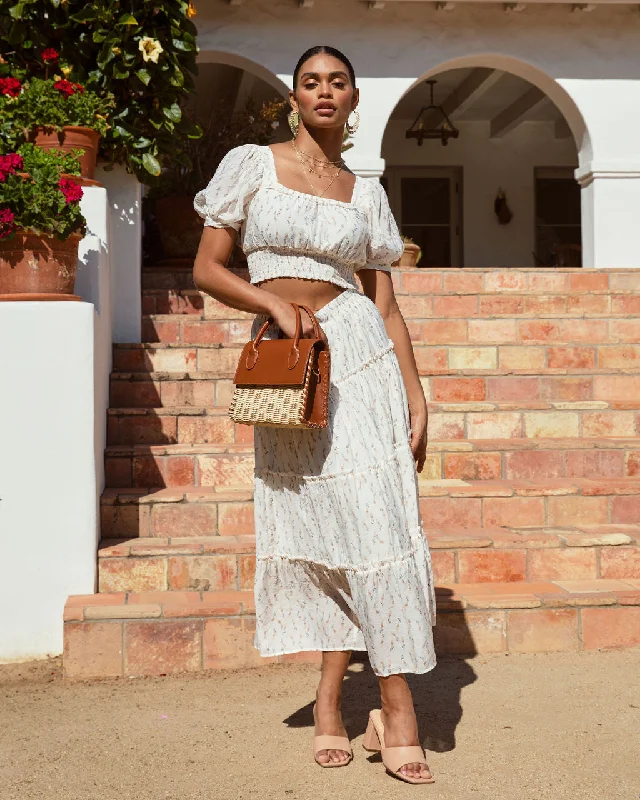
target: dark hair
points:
(330, 51)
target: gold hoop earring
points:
(352, 128)
(294, 122)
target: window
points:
(558, 217)
(426, 204)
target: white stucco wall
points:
(486, 165)
(55, 361)
(125, 207)
(586, 62)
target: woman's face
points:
(324, 96)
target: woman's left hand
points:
(419, 418)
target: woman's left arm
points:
(378, 286)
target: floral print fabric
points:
(286, 233)
(342, 561)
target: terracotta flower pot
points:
(30, 263)
(180, 226)
(70, 138)
(410, 256)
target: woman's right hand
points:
(285, 317)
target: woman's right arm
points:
(223, 204)
(210, 275)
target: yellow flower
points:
(150, 48)
(66, 71)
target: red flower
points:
(68, 88)
(49, 54)
(6, 222)
(70, 189)
(9, 164)
(10, 87)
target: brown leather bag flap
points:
(272, 365)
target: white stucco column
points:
(378, 98)
(609, 171)
(610, 203)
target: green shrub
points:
(142, 52)
(40, 200)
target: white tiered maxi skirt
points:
(342, 561)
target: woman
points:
(342, 562)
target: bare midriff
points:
(308, 292)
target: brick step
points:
(148, 389)
(165, 305)
(199, 425)
(190, 510)
(222, 359)
(457, 281)
(158, 633)
(222, 464)
(425, 329)
(459, 555)
(182, 511)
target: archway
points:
(520, 134)
(231, 80)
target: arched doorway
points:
(227, 82)
(520, 141)
(236, 102)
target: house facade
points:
(524, 325)
(545, 96)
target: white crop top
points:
(287, 233)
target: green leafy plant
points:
(38, 193)
(51, 104)
(194, 167)
(142, 52)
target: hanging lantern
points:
(443, 130)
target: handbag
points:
(283, 382)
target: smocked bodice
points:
(287, 233)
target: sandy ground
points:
(518, 727)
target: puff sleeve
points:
(385, 245)
(224, 201)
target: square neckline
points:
(275, 182)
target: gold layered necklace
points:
(308, 165)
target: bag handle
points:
(316, 326)
(294, 353)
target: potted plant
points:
(145, 54)
(178, 225)
(411, 255)
(41, 223)
(54, 113)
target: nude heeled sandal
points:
(332, 743)
(393, 757)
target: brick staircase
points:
(530, 494)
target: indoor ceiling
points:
(483, 95)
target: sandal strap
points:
(331, 743)
(395, 757)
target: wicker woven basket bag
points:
(283, 382)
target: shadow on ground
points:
(436, 695)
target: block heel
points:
(393, 758)
(371, 739)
